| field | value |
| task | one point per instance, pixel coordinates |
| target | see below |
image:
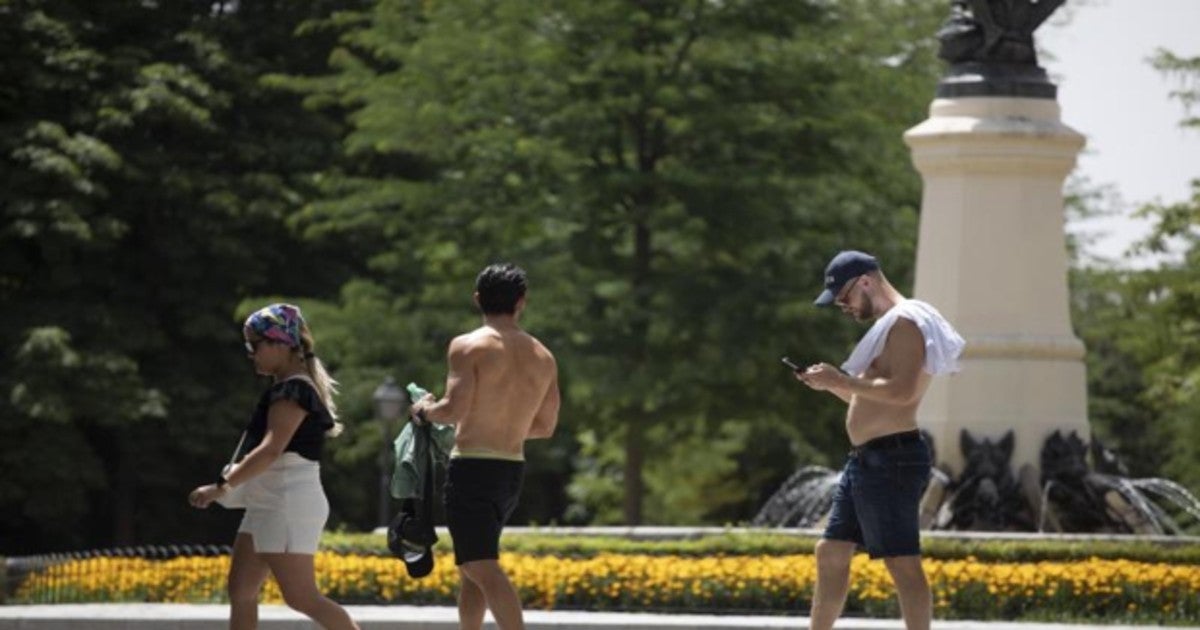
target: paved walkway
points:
(212, 617)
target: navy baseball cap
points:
(844, 267)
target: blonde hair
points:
(326, 386)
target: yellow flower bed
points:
(961, 588)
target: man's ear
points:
(475, 298)
(865, 283)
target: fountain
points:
(1068, 495)
(802, 500)
(1071, 496)
(991, 256)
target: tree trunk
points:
(124, 492)
(635, 429)
(634, 456)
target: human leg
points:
(912, 589)
(480, 495)
(247, 572)
(297, 581)
(834, 551)
(471, 603)
(889, 512)
(501, 597)
(833, 582)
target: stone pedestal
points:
(992, 258)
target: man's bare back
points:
(509, 384)
(501, 389)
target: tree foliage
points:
(674, 175)
(1141, 325)
(145, 184)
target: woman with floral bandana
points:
(286, 506)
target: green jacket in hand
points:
(412, 449)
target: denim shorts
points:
(877, 500)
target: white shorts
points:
(286, 508)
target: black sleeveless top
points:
(310, 435)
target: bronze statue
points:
(989, 44)
(1065, 471)
(993, 30)
(986, 496)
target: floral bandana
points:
(278, 322)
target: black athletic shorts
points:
(480, 496)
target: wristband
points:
(222, 482)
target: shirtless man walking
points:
(876, 503)
(501, 389)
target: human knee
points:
(833, 554)
(242, 593)
(484, 573)
(303, 604)
(467, 586)
(301, 599)
(905, 569)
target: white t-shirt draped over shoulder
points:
(943, 344)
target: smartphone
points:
(788, 362)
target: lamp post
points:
(389, 404)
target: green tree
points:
(1170, 303)
(146, 184)
(673, 174)
(1140, 327)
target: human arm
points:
(901, 363)
(546, 418)
(842, 394)
(283, 418)
(460, 388)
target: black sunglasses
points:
(844, 294)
